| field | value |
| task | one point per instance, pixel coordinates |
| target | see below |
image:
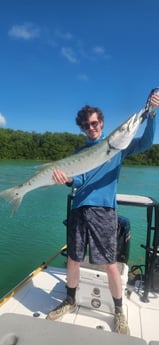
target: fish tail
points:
(12, 197)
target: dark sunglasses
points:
(85, 126)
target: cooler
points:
(93, 291)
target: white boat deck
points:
(47, 289)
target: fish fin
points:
(43, 166)
(12, 196)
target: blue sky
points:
(58, 55)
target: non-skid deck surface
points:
(46, 290)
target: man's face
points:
(93, 127)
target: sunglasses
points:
(85, 126)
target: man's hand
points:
(154, 100)
(60, 177)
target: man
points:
(93, 215)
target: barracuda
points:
(80, 163)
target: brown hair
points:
(84, 114)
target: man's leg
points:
(69, 303)
(115, 285)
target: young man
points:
(93, 214)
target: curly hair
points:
(84, 114)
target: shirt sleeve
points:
(76, 182)
(144, 142)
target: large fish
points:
(81, 162)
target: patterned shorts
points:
(95, 229)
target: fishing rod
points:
(12, 292)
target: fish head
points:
(122, 137)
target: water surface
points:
(36, 232)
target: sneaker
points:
(61, 309)
(121, 325)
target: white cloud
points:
(26, 31)
(83, 77)
(3, 121)
(69, 54)
(99, 50)
(67, 36)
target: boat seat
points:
(26, 330)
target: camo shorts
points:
(93, 229)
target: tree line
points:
(17, 144)
(47, 146)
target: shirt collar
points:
(90, 142)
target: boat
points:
(23, 310)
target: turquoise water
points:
(36, 232)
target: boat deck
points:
(47, 289)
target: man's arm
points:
(143, 143)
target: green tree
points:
(53, 146)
